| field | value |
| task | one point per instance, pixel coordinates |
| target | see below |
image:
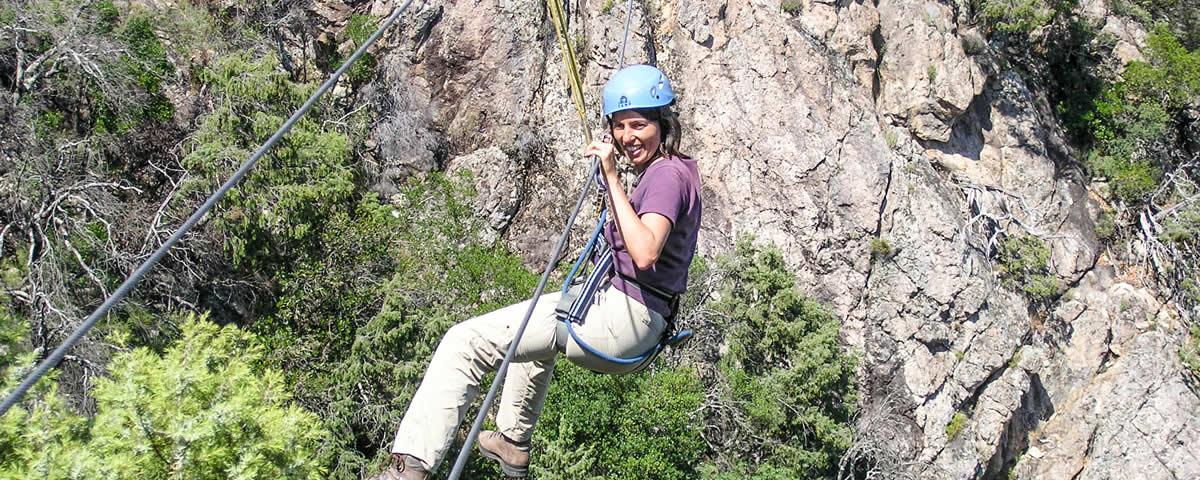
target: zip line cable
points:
(208, 205)
(577, 95)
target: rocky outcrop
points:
(1121, 405)
(822, 129)
(926, 78)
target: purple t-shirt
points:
(670, 188)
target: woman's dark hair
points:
(669, 129)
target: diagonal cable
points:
(577, 95)
(208, 205)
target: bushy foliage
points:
(1189, 353)
(203, 409)
(1023, 262)
(1181, 16)
(1020, 17)
(358, 318)
(358, 29)
(880, 249)
(618, 427)
(1135, 121)
(277, 212)
(957, 423)
(785, 371)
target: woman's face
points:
(638, 137)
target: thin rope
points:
(208, 205)
(625, 36)
(577, 94)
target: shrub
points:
(359, 315)
(358, 29)
(785, 370)
(1024, 263)
(629, 426)
(791, 7)
(957, 424)
(1189, 353)
(880, 249)
(1182, 228)
(1023, 16)
(278, 211)
(1106, 225)
(202, 409)
(1134, 121)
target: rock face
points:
(821, 130)
(926, 78)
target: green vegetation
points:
(891, 138)
(357, 319)
(957, 424)
(1018, 17)
(1106, 225)
(278, 211)
(785, 374)
(791, 7)
(630, 426)
(881, 249)
(358, 29)
(607, 7)
(1180, 16)
(202, 409)
(1135, 121)
(931, 73)
(1024, 262)
(1189, 353)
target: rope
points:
(208, 205)
(558, 18)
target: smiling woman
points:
(653, 238)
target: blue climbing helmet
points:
(635, 87)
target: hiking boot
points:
(513, 456)
(403, 467)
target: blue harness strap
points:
(579, 307)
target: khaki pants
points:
(615, 324)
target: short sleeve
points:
(664, 193)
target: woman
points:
(653, 237)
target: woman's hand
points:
(607, 153)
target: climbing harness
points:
(131, 282)
(577, 298)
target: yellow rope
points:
(559, 19)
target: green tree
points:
(1136, 123)
(202, 409)
(620, 427)
(359, 316)
(278, 210)
(785, 373)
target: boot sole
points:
(514, 471)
